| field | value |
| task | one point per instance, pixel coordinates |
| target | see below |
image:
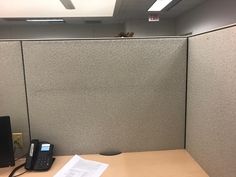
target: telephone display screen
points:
(45, 147)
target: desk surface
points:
(172, 163)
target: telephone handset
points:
(40, 156)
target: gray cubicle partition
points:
(12, 90)
(89, 96)
(211, 108)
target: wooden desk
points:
(172, 163)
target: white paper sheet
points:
(78, 167)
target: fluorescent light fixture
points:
(45, 20)
(55, 9)
(159, 5)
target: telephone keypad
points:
(43, 162)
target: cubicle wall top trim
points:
(102, 38)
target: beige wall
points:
(143, 28)
(207, 16)
(54, 31)
(51, 31)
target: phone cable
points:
(15, 169)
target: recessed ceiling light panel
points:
(159, 5)
(55, 9)
(45, 20)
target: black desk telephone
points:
(40, 156)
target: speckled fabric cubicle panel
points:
(211, 123)
(89, 96)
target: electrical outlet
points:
(17, 139)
